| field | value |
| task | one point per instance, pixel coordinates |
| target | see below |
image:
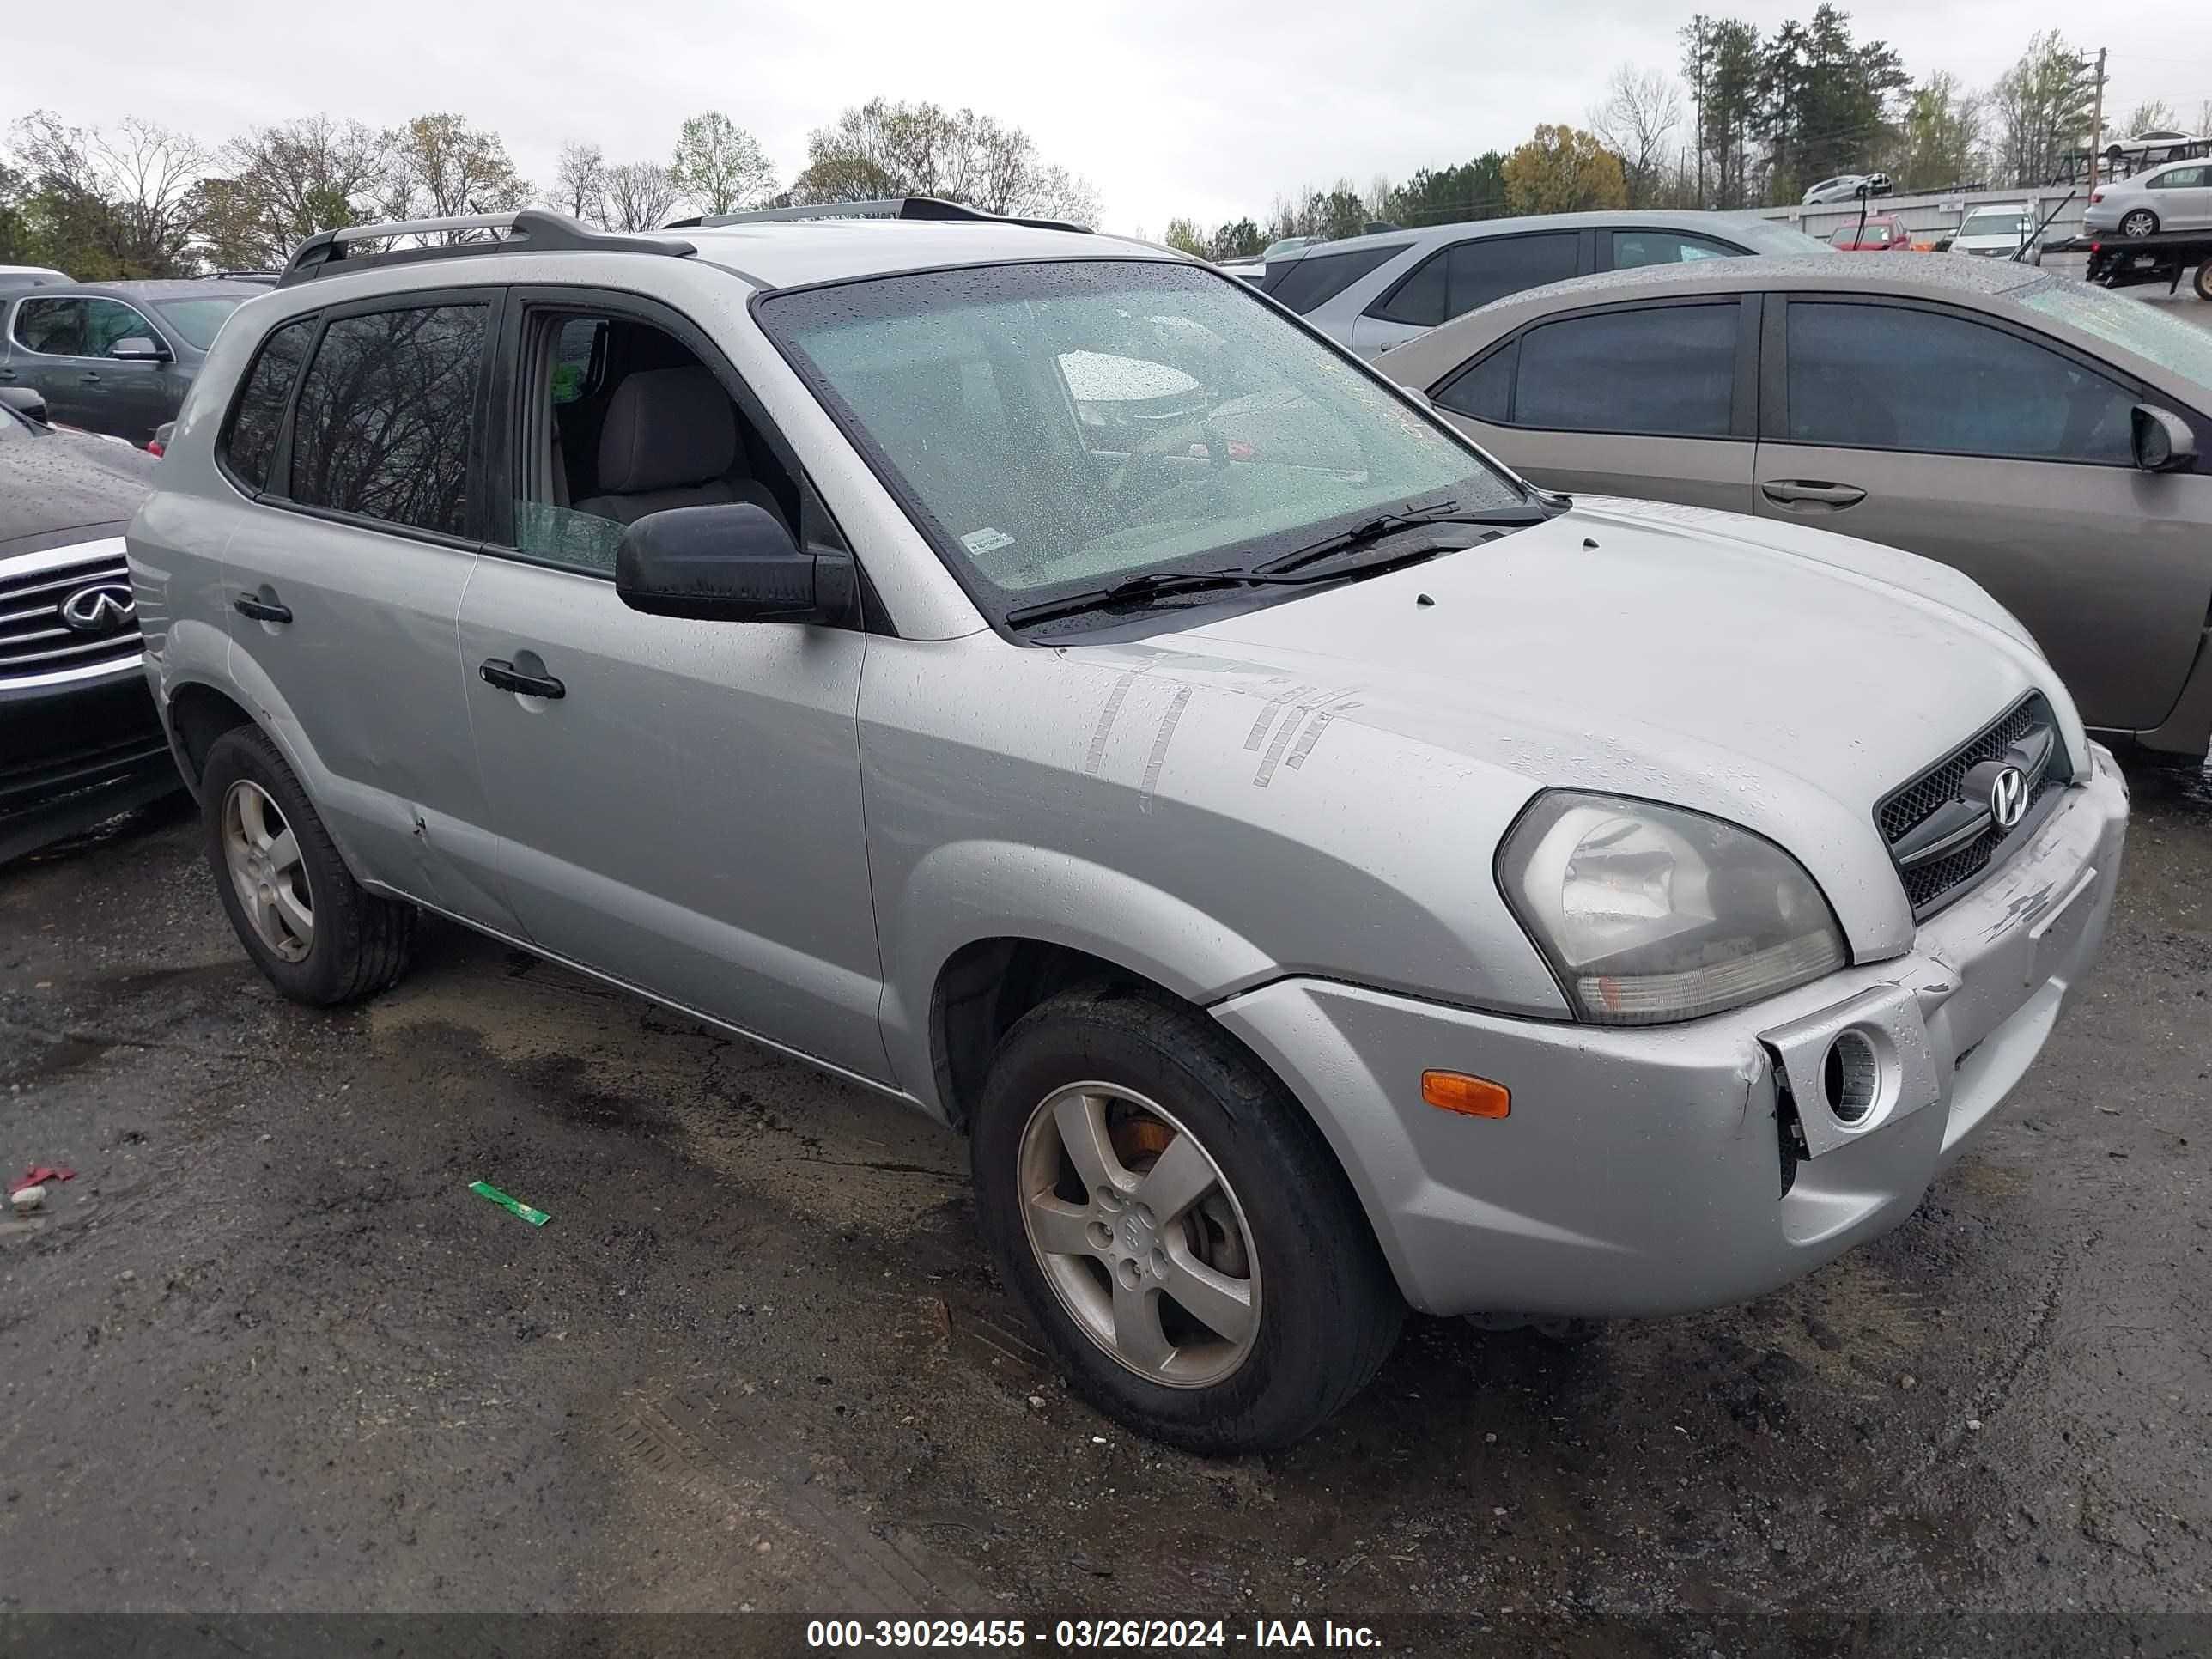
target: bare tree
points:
(1641, 110)
(2156, 116)
(720, 165)
(640, 196)
(284, 182)
(2040, 108)
(580, 182)
(441, 167)
(886, 149)
(125, 198)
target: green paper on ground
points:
(485, 1189)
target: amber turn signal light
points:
(1471, 1097)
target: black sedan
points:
(79, 741)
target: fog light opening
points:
(1850, 1078)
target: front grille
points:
(35, 640)
(1931, 885)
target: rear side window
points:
(1309, 282)
(1974, 390)
(1667, 371)
(1632, 248)
(1474, 273)
(2181, 179)
(251, 441)
(53, 327)
(1482, 390)
(385, 414)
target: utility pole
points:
(2097, 119)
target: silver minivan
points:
(1320, 872)
(1374, 293)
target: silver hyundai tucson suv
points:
(1027, 674)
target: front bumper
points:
(1643, 1171)
(75, 753)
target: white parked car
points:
(1998, 231)
(1847, 187)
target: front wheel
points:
(2141, 223)
(1177, 1226)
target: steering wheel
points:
(1151, 455)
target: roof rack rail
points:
(529, 230)
(891, 207)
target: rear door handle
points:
(261, 610)
(1788, 491)
(88, 377)
(508, 678)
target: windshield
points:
(1056, 426)
(2145, 330)
(197, 320)
(2014, 225)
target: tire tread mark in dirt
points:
(872, 1575)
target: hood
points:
(59, 487)
(1784, 678)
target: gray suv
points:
(1319, 871)
(113, 357)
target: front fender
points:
(965, 891)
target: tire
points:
(2204, 280)
(353, 944)
(2140, 222)
(1279, 1226)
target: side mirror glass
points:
(735, 563)
(139, 349)
(26, 400)
(2164, 443)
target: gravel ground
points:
(267, 1353)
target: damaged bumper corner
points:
(1672, 1168)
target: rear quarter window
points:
(249, 440)
(1312, 281)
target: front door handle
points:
(508, 678)
(1790, 491)
(261, 610)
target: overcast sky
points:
(1208, 109)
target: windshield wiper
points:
(1390, 524)
(1284, 570)
(1134, 590)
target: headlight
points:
(1649, 914)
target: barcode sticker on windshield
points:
(986, 540)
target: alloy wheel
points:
(2141, 223)
(262, 856)
(1139, 1235)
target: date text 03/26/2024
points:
(1087, 1634)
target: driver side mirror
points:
(734, 563)
(2164, 443)
(139, 349)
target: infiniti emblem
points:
(2009, 798)
(100, 609)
